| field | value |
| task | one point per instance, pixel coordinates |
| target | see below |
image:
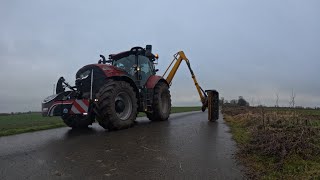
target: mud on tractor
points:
(113, 91)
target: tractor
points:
(114, 90)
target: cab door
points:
(146, 69)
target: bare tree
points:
(277, 100)
(292, 105)
(292, 99)
(252, 102)
(262, 112)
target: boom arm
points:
(179, 57)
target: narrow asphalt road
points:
(185, 147)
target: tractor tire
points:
(213, 105)
(117, 105)
(161, 103)
(99, 119)
(77, 121)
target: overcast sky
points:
(251, 48)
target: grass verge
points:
(276, 145)
(21, 123)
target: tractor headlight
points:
(84, 77)
(50, 98)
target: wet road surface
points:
(185, 147)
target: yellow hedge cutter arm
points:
(213, 95)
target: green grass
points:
(185, 109)
(239, 133)
(21, 123)
(178, 110)
(315, 112)
(294, 167)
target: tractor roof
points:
(120, 55)
(133, 51)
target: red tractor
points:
(113, 91)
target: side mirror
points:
(103, 60)
(60, 88)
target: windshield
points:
(126, 64)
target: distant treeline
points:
(243, 102)
(16, 113)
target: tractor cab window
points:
(146, 67)
(126, 63)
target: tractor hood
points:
(100, 73)
(100, 70)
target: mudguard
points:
(153, 80)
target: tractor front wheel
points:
(117, 105)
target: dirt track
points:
(185, 147)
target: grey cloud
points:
(249, 48)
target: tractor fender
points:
(128, 80)
(112, 72)
(153, 81)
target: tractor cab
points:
(138, 63)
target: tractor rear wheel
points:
(161, 103)
(77, 121)
(117, 105)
